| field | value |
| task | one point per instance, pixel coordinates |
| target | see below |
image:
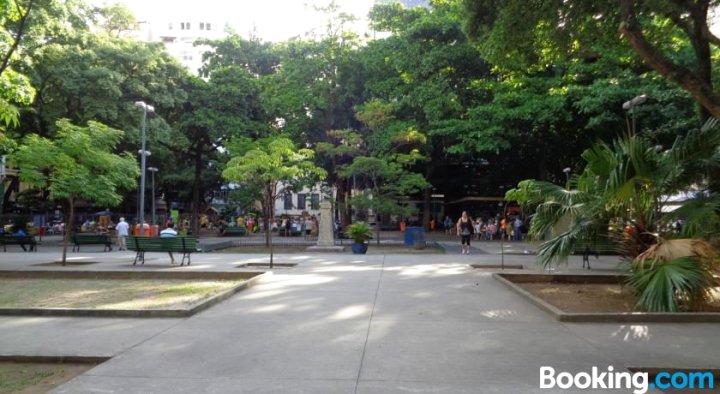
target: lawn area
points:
(108, 293)
(36, 378)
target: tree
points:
(418, 80)
(14, 86)
(388, 185)
(77, 164)
(670, 36)
(272, 162)
(620, 195)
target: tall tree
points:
(78, 163)
(224, 107)
(270, 165)
(670, 36)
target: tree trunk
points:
(68, 229)
(18, 36)
(689, 81)
(197, 184)
(427, 195)
(342, 202)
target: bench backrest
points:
(162, 244)
(15, 239)
(90, 238)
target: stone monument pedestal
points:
(326, 235)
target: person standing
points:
(168, 233)
(122, 229)
(448, 224)
(517, 229)
(465, 231)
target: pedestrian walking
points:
(122, 232)
(465, 231)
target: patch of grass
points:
(31, 378)
(107, 293)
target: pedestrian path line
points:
(367, 332)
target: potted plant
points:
(361, 233)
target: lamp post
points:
(630, 105)
(567, 170)
(502, 232)
(153, 170)
(143, 153)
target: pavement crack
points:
(367, 333)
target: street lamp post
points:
(567, 170)
(143, 154)
(630, 105)
(153, 170)
(502, 232)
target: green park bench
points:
(18, 240)
(140, 245)
(234, 231)
(91, 239)
(595, 247)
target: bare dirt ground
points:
(593, 298)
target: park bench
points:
(140, 245)
(91, 239)
(234, 231)
(18, 240)
(595, 247)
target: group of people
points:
(466, 228)
(307, 225)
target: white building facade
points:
(179, 35)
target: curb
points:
(619, 317)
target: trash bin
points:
(414, 236)
(146, 230)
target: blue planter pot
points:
(359, 248)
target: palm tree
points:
(619, 196)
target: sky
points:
(273, 20)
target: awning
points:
(477, 199)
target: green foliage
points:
(116, 19)
(78, 163)
(623, 184)
(670, 286)
(388, 184)
(278, 161)
(359, 232)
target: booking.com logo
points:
(640, 382)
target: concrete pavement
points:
(349, 324)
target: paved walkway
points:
(348, 324)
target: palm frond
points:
(669, 286)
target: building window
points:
(315, 201)
(288, 201)
(207, 26)
(301, 201)
(170, 26)
(184, 25)
(202, 25)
